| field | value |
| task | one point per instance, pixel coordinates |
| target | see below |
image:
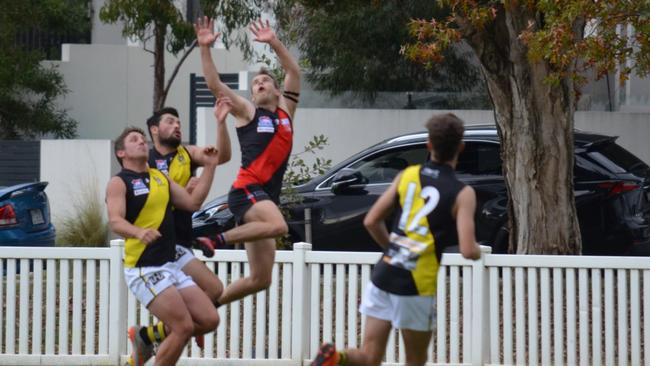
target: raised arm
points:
(116, 204)
(375, 221)
(265, 34)
(221, 110)
(187, 201)
(242, 108)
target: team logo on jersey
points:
(139, 188)
(181, 158)
(286, 124)
(161, 164)
(160, 183)
(265, 125)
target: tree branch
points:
(176, 69)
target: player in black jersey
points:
(265, 132)
(434, 210)
(179, 163)
(139, 201)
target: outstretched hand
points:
(211, 153)
(204, 29)
(222, 108)
(262, 31)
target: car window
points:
(384, 166)
(616, 159)
(479, 158)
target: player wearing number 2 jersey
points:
(434, 210)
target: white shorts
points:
(147, 282)
(404, 312)
(183, 256)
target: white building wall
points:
(111, 86)
(72, 167)
(104, 33)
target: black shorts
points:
(241, 199)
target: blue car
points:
(25, 216)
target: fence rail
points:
(65, 306)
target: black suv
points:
(612, 189)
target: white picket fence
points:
(73, 309)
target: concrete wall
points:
(104, 33)
(632, 128)
(73, 167)
(111, 86)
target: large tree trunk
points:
(535, 124)
(159, 67)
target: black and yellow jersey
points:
(148, 205)
(178, 166)
(423, 227)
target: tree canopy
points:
(29, 90)
(533, 54)
(355, 46)
(161, 26)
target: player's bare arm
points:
(375, 221)
(187, 201)
(265, 34)
(464, 209)
(116, 204)
(242, 108)
(221, 110)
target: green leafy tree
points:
(299, 172)
(29, 90)
(160, 26)
(534, 55)
(355, 46)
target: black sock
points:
(145, 336)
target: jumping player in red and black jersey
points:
(265, 131)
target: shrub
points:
(85, 225)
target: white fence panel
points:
(70, 306)
(51, 305)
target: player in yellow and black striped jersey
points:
(434, 210)
(179, 163)
(148, 206)
(139, 201)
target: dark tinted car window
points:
(616, 159)
(479, 158)
(384, 166)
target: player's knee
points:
(184, 329)
(214, 291)
(211, 322)
(280, 228)
(261, 283)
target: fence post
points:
(480, 312)
(117, 303)
(300, 312)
